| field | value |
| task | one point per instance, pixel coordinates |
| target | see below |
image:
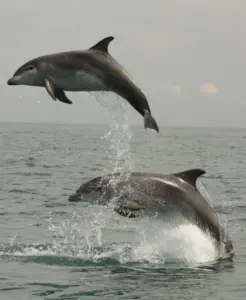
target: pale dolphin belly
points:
(79, 81)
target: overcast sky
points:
(189, 57)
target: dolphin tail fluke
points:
(150, 122)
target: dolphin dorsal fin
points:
(103, 44)
(190, 176)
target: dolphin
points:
(90, 70)
(137, 193)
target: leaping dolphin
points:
(157, 193)
(88, 70)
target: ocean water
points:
(53, 249)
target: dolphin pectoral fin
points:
(149, 121)
(55, 92)
(50, 87)
(128, 208)
(60, 95)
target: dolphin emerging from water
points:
(152, 193)
(88, 70)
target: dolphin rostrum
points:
(150, 193)
(90, 70)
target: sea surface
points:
(53, 249)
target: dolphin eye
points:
(29, 68)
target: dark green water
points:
(53, 249)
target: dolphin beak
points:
(11, 81)
(74, 198)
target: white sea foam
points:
(98, 234)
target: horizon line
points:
(131, 125)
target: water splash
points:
(118, 137)
(184, 243)
(98, 235)
(204, 192)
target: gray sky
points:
(189, 57)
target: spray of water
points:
(98, 233)
(118, 137)
(117, 140)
